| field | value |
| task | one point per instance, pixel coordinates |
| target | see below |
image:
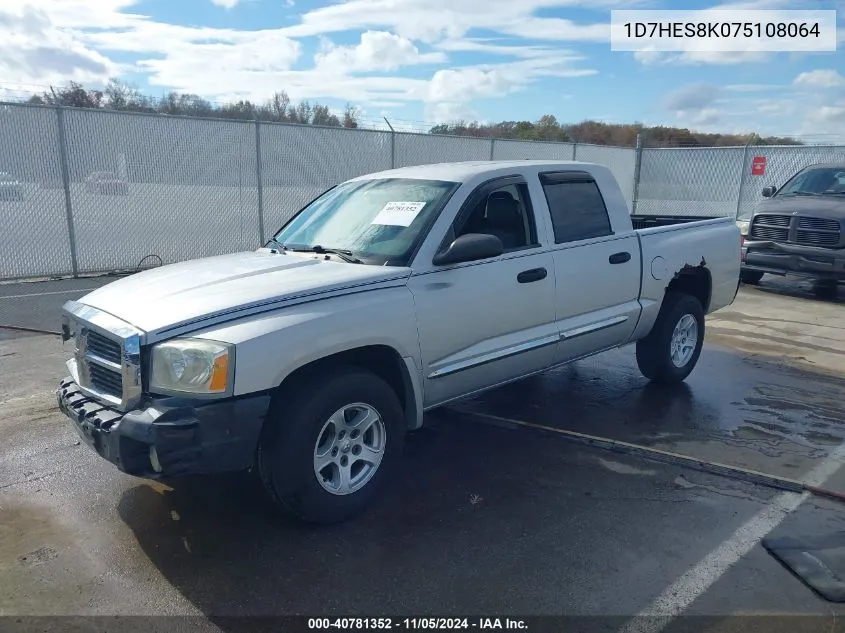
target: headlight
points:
(194, 366)
(743, 226)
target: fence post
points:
(574, 149)
(259, 180)
(742, 178)
(638, 163)
(392, 144)
(492, 149)
(60, 116)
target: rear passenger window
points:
(576, 206)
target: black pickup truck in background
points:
(799, 229)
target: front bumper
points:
(782, 259)
(169, 436)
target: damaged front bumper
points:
(169, 436)
(789, 259)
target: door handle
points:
(535, 274)
(619, 258)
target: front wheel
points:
(332, 445)
(671, 350)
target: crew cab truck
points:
(799, 229)
(308, 359)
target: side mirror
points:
(769, 191)
(470, 247)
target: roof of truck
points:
(466, 170)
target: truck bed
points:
(651, 221)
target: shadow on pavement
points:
(489, 520)
(479, 520)
(799, 289)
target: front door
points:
(487, 322)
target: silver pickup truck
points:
(308, 359)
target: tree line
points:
(127, 98)
(547, 128)
(280, 109)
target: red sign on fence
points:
(758, 166)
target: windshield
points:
(378, 221)
(817, 182)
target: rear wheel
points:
(671, 350)
(750, 276)
(332, 445)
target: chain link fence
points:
(90, 191)
(781, 163)
(700, 181)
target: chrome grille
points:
(103, 347)
(98, 359)
(105, 380)
(106, 360)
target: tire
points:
(301, 418)
(654, 352)
(750, 276)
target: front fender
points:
(273, 345)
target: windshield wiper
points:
(344, 254)
(799, 193)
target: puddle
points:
(625, 469)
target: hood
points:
(832, 207)
(176, 294)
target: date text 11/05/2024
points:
(430, 624)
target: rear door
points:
(487, 322)
(597, 271)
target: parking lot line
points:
(44, 294)
(678, 596)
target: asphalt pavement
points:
(485, 517)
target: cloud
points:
(694, 104)
(234, 60)
(752, 87)
(477, 45)
(451, 90)
(226, 4)
(691, 97)
(829, 114)
(378, 50)
(436, 20)
(695, 58)
(777, 108)
(821, 78)
(36, 52)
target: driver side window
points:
(504, 212)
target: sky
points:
(422, 62)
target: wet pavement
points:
(482, 518)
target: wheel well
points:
(693, 281)
(382, 360)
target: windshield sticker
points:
(398, 213)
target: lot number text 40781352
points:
(423, 623)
